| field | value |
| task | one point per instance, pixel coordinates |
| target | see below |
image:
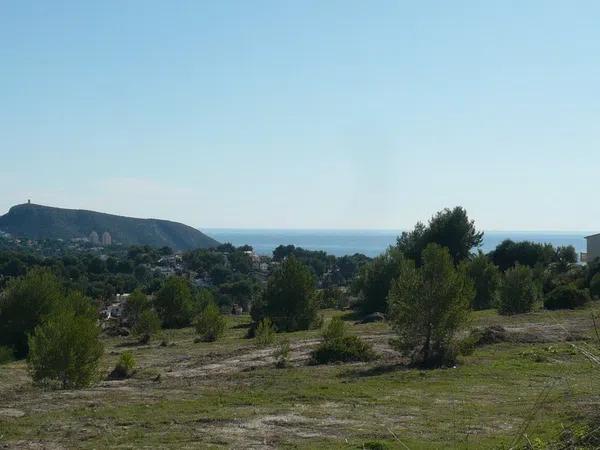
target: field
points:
(229, 394)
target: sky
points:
(306, 113)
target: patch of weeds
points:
(265, 333)
(282, 354)
(124, 368)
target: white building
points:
(593, 248)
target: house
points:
(593, 248)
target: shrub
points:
(125, 366)
(135, 305)
(66, 347)
(6, 354)
(518, 292)
(338, 346)
(428, 306)
(595, 286)
(210, 324)
(147, 325)
(486, 280)
(566, 297)
(264, 333)
(27, 301)
(289, 299)
(282, 354)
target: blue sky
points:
(304, 114)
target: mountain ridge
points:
(33, 221)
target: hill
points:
(44, 222)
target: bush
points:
(339, 346)
(135, 305)
(428, 306)
(375, 279)
(566, 297)
(289, 299)
(518, 292)
(486, 280)
(282, 354)
(595, 286)
(147, 325)
(125, 366)
(6, 355)
(210, 324)
(264, 333)
(26, 303)
(66, 347)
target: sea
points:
(371, 242)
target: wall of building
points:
(593, 247)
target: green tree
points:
(174, 303)
(26, 303)
(450, 228)
(486, 280)
(428, 306)
(146, 325)
(135, 305)
(289, 299)
(66, 346)
(210, 324)
(518, 291)
(375, 280)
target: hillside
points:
(43, 222)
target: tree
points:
(450, 228)
(375, 280)
(174, 303)
(509, 253)
(146, 325)
(210, 324)
(135, 305)
(486, 280)
(27, 302)
(428, 306)
(66, 346)
(595, 286)
(289, 299)
(518, 291)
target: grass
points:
(229, 394)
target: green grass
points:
(482, 403)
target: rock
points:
(373, 317)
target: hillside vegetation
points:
(44, 222)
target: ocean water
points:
(370, 242)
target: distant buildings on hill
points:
(105, 241)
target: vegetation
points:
(289, 298)
(595, 286)
(518, 292)
(428, 306)
(486, 280)
(124, 367)
(449, 228)
(282, 354)
(147, 325)
(174, 303)
(210, 324)
(339, 346)
(27, 302)
(6, 354)
(66, 347)
(264, 333)
(566, 296)
(44, 222)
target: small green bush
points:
(265, 333)
(210, 324)
(339, 346)
(125, 366)
(6, 354)
(566, 297)
(282, 354)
